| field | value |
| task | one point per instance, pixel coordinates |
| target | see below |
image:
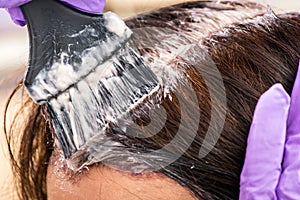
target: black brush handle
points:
(48, 24)
(60, 34)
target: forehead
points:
(101, 182)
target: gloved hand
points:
(89, 6)
(272, 164)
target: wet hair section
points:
(172, 52)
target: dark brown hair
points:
(250, 55)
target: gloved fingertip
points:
(20, 22)
(277, 91)
(274, 96)
(17, 16)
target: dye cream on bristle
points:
(100, 98)
(114, 24)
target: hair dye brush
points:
(82, 67)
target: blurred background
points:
(14, 50)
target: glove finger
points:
(289, 184)
(265, 147)
(12, 3)
(92, 6)
(17, 16)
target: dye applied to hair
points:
(84, 90)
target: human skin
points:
(102, 182)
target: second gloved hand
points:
(89, 6)
(272, 164)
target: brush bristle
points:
(103, 96)
(89, 78)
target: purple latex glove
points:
(14, 10)
(272, 164)
(289, 184)
(89, 6)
